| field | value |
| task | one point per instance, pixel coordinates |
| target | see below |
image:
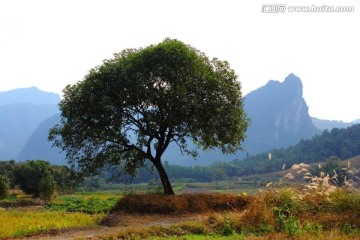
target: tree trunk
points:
(164, 178)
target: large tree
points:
(130, 108)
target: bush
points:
(47, 187)
(4, 186)
(28, 176)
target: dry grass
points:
(15, 223)
(287, 213)
(181, 204)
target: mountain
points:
(31, 95)
(38, 147)
(356, 121)
(279, 118)
(330, 124)
(21, 111)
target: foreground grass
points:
(67, 211)
(286, 213)
(199, 231)
(15, 223)
(278, 236)
(271, 214)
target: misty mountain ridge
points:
(21, 111)
(38, 147)
(279, 118)
(31, 95)
(330, 124)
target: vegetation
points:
(132, 107)
(186, 203)
(16, 223)
(67, 211)
(92, 204)
(280, 213)
(341, 143)
(29, 176)
(47, 186)
(4, 186)
(322, 211)
(7, 169)
(63, 178)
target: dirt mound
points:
(181, 204)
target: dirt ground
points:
(113, 224)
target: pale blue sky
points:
(50, 44)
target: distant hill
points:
(279, 117)
(38, 147)
(17, 122)
(330, 124)
(343, 143)
(356, 121)
(31, 95)
(21, 111)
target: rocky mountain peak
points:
(279, 115)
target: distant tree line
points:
(341, 143)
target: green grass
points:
(85, 202)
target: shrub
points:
(4, 186)
(227, 228)
(28, 176)
(47, 186)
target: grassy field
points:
(16, 223)
(68, 211)
(246, 213)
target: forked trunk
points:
(164, 178)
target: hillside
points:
(21, 111)
(17, 122)
(341, 143)
(37, 146)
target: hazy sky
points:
(50, 44)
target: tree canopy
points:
(130, 108)
(30, 175)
